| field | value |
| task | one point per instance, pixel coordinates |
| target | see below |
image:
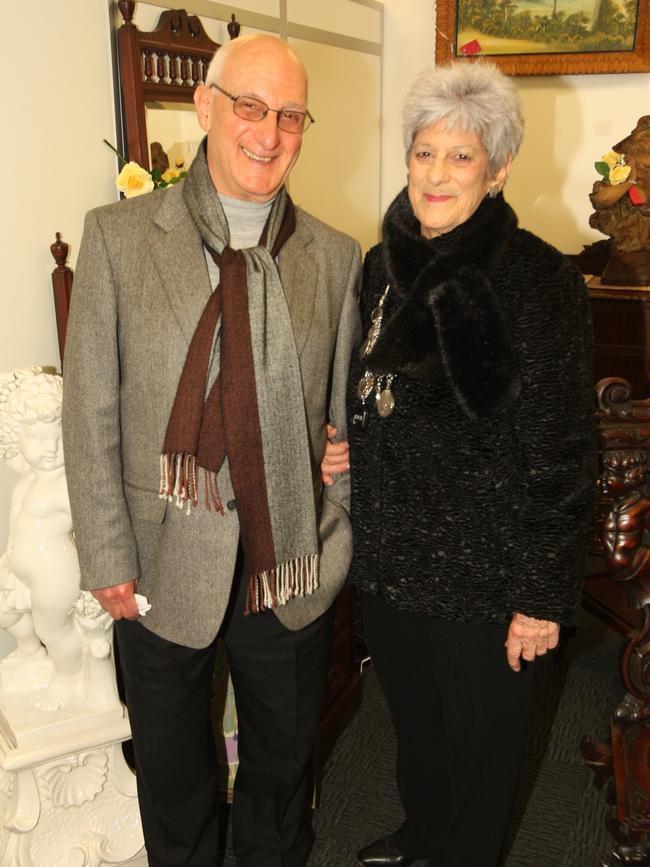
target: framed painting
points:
(547, 37)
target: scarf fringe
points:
(179, 482)
(273, 587)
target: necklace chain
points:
(371, 383)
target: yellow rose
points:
(133, 180)
(170, 174)
(618, 174)
(611, 158)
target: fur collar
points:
(447, 311)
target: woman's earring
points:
(493, 192)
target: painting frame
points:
(557, 63)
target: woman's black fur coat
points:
(473, 499)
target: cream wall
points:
(55, 167)
(408, 48)
(570, 122)
(338, 174)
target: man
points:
(204, 378)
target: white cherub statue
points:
(39, 573)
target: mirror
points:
(175, 127)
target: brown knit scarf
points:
(254, 412)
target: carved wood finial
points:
(59, 249)
(127, 8)
(233, 27)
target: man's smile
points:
(255, 157)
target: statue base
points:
(67, 796)
(627, 269)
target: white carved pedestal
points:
(67, 797)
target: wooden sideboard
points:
(621, 593)
(624, 761)
(621, 319)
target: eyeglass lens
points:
(249, 108)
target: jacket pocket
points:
(145, 505)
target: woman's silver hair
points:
(222, 54)
(475, 97)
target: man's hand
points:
(119, 601)
(529, 638)
(336, 458)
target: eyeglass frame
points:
(278, 111)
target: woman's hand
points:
(529, 638)
(336, 459)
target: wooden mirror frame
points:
(162, 65)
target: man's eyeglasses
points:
(249, 108)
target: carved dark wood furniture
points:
(621, 318)
(624, 425)
(163, 65)
(621, 334)
(344, 676)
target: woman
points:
(471, 453)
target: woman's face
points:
(448, 177)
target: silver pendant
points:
(384, 400)
(373, 334)
(385, 403)
(375, 327)
(366, 385)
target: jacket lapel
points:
(177, 254)
(299, 276)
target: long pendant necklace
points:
(370, 383)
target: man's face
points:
(251, 160)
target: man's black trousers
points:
(279, 679)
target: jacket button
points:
(372, 586)
(231, 505)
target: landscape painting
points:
(511, 29)
(546, 26)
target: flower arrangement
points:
(133, 180)
(612, 167)
(614, 171)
